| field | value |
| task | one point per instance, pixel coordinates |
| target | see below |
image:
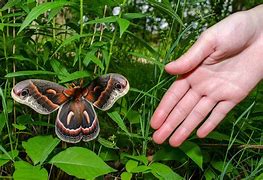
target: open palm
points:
(217, 72)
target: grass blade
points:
(38, 10)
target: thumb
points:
(202, 48)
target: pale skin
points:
(216, 73)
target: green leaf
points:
(133, 15)
(38, 10)
(260, 177)
(141, 169)
(28, 73)
(140, 158)
(38, 148)
(107, 143)
(59, 69)
(162, 171)
(74, 76)
(193, 151)
(209, 174)
(80, 162)
(117, 118)
(10, 4)
(24, 170)
(130, 165)
(90, 56)
(133, 117)
(20, 127)
(103, 20)
(5, 158)
(167, 153)
(220, 165)
(67, 41)
(126, 176)
(2, 121)
(9, 105)
(124, 24)
(109, 155)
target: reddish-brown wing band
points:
(41, 95)
(105, 90)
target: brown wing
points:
(77, 120)
(41, 95)
(105, 90)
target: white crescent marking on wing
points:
(69, 117)
(87, 116)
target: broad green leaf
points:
(117, 118)
(140, 158)
(220, 165)
(25, 171)
(162, 171)
(74, 76)
(107, 143)
(126, 176)
(260, 177)
(133, 15)
(80, 162)
(130, 165)
(28, 73)
(103, 20)
(167, 153)
(20, 127)
(221, 137)
(124, 24)
(8, 156)
(193, 151)
(38, 148)
(141, 169)
(133, 117)
(38, 10)
(109, 155)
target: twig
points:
(238, 146)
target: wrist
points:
(256, 16)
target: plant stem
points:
(112, 41)
(80, 33)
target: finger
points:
(198, 114)
(201, 49)
(179, 113)
(217, 115)
(169, 100)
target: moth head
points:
(21, 90)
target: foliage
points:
(65, 41)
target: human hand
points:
(217, 72)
